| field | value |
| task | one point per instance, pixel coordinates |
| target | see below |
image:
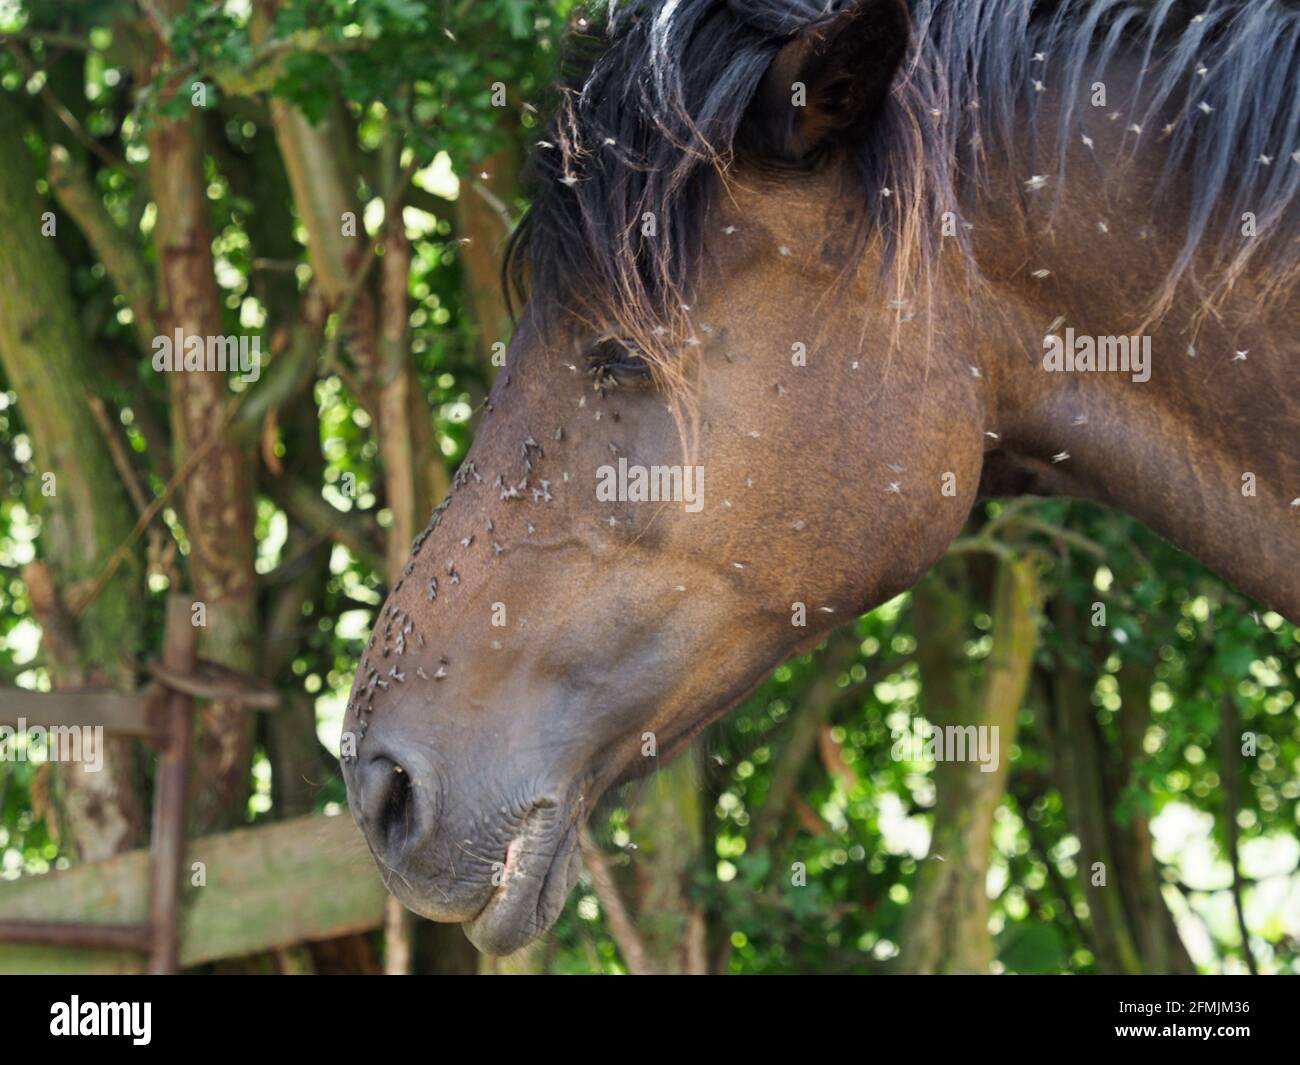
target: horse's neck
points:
(1205, 452)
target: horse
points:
(802, 283)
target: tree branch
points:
(125, 265)
(292, 372)
(630, 943)
(1230, 730)
(124, 548)
(64, 115)
(162, 548)
(310, 509)
(73, 41)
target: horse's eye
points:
(614, 362)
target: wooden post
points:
(172, 783)
(399, 929)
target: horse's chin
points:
(531, 896)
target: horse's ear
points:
(828, 80)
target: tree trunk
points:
(412, 474)
(86, 515)
(947, 921)
(1131, 927)
(217, 498)
(484, 231)
(1080, 769)
(667, 827)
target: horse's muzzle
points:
(504, 875)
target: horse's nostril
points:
(390, 801)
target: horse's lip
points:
(525, 905)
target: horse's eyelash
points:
(612, 361)
(614, 351)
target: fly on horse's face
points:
(627, 553)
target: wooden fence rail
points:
(162, 715)
(137, 714)
(267, 887)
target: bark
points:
(45, 359)
(483, 233)
(404, 427)
(1159, 944)
(622, 928)
(324, 191)
(667, 826)
(325, 194)
(1080, 769)
(1129, 927)
(947, 921)
(122, 260)
(217, 504)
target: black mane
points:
(652, 113)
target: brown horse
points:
(791, 266)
